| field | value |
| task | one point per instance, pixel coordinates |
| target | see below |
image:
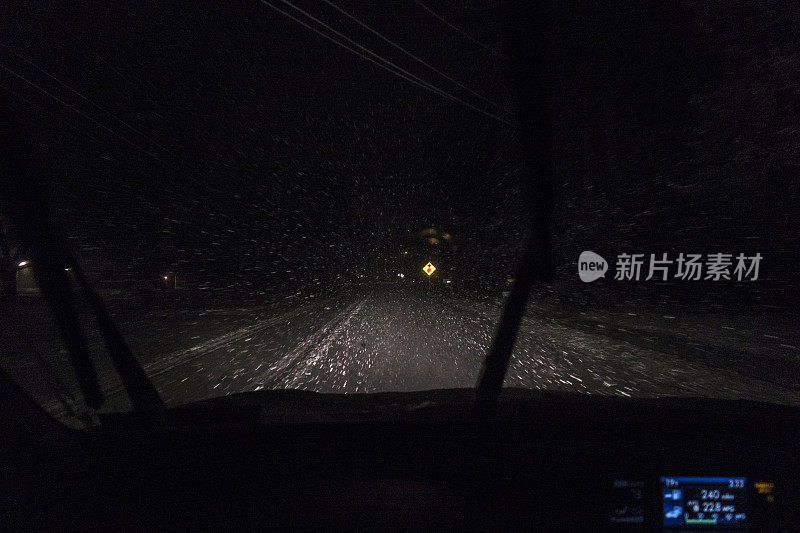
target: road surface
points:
(390, 339)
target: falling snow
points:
(256, 205)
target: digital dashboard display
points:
(704, 501)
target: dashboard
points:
(693, 503)
(547, 463)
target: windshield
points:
(335, 196)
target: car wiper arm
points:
(534, 266)
(57, 292)
(141, 391)
(28, 206)
(528, 50)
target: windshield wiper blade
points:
(28, 206)
(528, 43)
(57, 292)
(141, 391)
(533, 267)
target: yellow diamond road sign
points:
(428, 269)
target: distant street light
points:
(23, 263)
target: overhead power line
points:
(67, 123)
(82, 97)
(87, 49)
(339, 43)
(78, 111)
(381, 61)
(84, 47)
(44, 110)
(397, 46)
(459, 30)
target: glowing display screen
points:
(704, 501)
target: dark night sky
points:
(271, 128)
(277, 151)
